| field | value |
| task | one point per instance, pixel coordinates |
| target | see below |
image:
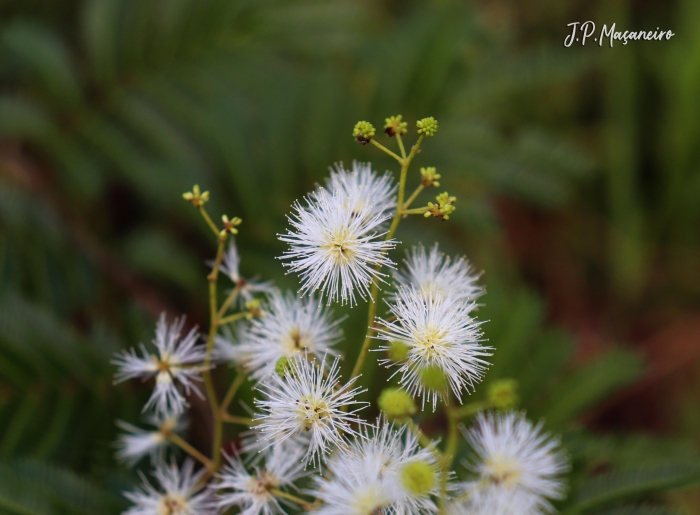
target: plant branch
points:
(384, 149)
(182, 444)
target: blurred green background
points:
(577, 173)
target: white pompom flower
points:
(363, 187)
(177, 361)
(307, 399)
(180, 491)
(289, 326)
(516, 463)
(442, 345)
(256, 493)
(335, 249)
(385, 472)
(433, 274)
(136, 443)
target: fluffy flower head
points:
(305, 400)
(289, 326)
(334, 248)
(442, 342)
(135, 442)
(176, 360)
(433, 274)
(247, 288)
(179, 493)
(361, 187)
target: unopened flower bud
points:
(393, 126)
(433, 378)
(427, 126)
(503, 394)
(418, 477)
(230, 225)
(444, 207)
(253, 308)
(282, 366)
(398, 351)
(196, 198)
(363, 132)
(396, 403)
(429, 177)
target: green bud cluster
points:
(396, 403)
(282, 366)
(230, 225)
(443, 208)
(427, 126)
(398, 351)
(433, 378)
(393, 126)
(363, 132)
(195, 197)
(418, 477)
(429, 177)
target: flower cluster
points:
(305, 446)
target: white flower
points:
(253, 493)
(334, 248)
(289, 326)
(515, 462)
(180, 493)
(492, 505)
(177, 360)
(442, 342)
(254, 443)
(136, 443)
(246, 287)
(435, 275)
(307, 399)
(385, 472)
(364, 188)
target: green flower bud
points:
(418, 477)
(396, 403)
(195, 197)
(393, 126)
(398, 351)
(363, 132)
(427, 126)
(230, 225)
(503, 394)
(433, 378)
(429, 177)
(253, 308)
(282, 366)
(444, 207)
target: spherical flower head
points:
(363, 132)
(515, 460)
(363, 188)
(503, 394)
(308, 401)
(444, 345)
(386, 471)
(433, 274)
(427, 126)
(179, 492)
(396, 403)
(289, 326)
(335, 249)
(176, 361)
(393, 126)
(254, 492)
(136, 443)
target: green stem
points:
(412, 198)
(182, 444)
(400, 142)
(374, 292)
(235, 385)
(233, 419)
(470, 409)
(450, 451)
(234, 317)
(298, 500)
(229, 300)
(416, 211)
(208, 382)
(211, 224)
(383, 148)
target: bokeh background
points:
(577, 173)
